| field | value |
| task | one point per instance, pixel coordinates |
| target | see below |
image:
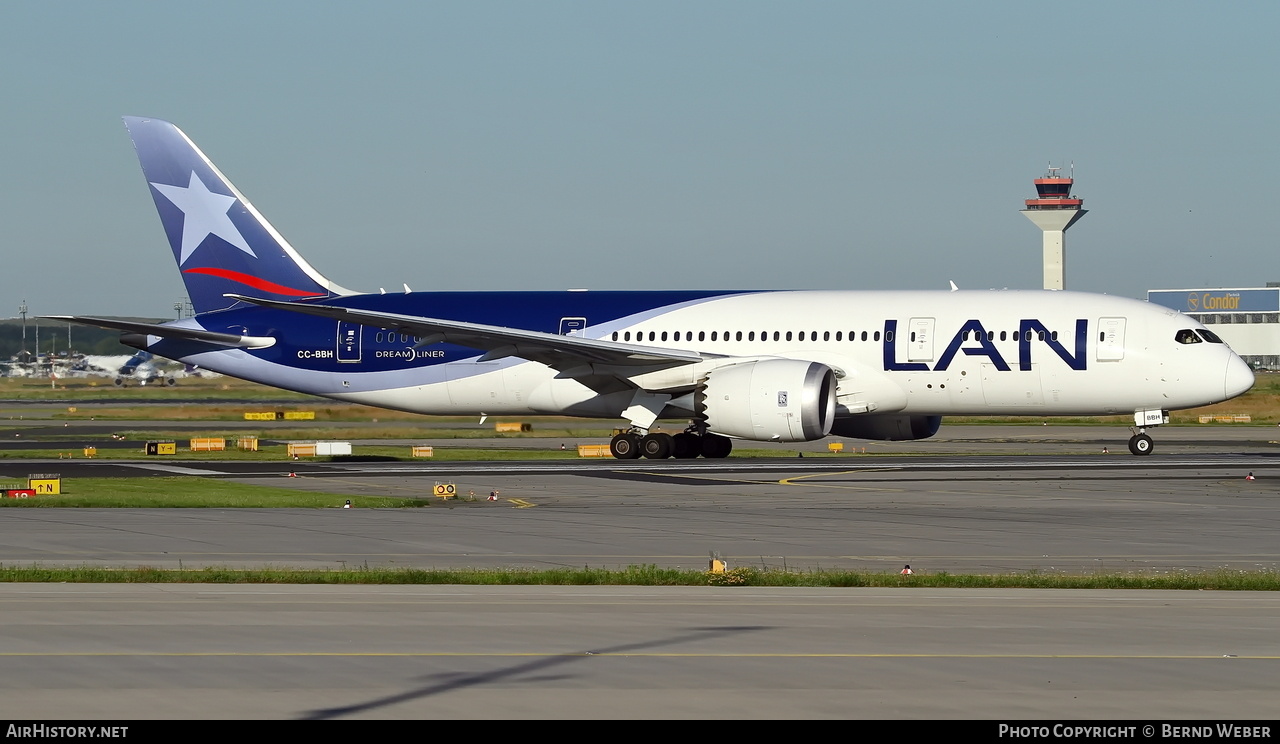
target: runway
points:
(982, 515)
(142, 652)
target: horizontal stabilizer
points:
(169, 331)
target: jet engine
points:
(780, 400)
(887, 428)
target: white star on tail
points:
(205, 214)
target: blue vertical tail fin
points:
(221, 243)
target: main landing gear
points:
(658, 446)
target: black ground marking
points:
(85, 470)
(907, 476)
(692, 479)
(70, 444)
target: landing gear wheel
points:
(715, 446)
(686, 446)
(625, 446)
(1141, 444)
(657, 446)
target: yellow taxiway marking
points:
(700, 477)
(522, 504)
(784, 481)
(793, 481)
(620, 654)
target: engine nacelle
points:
(887, 428)
(780, 400)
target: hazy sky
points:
(648, 145)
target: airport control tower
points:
(1054, 210)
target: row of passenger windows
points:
(741, 336)
(991, 335)
(390, 337)
(802, 336)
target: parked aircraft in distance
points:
(781, 366)
(142, 369)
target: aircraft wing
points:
(571, 355)
(168, 331)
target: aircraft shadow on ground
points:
(450, 681)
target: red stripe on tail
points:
(254, 282)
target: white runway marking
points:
(175, 469)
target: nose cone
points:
(1239, 377)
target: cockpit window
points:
(1186, 336)
(1209, 336)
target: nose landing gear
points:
(1141, 443)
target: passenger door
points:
(1110, 339)
(348, 341)
(573, 326)
(920, 348)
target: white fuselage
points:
(910, 352)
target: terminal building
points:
(1247, 319)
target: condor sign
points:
(1218, 300)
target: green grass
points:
(646, 576)
(190, 492)
(30, 388)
